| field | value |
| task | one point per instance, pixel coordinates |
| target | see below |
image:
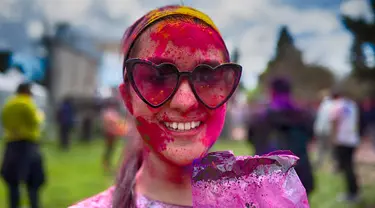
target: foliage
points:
(363, 33)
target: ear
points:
(125, 94)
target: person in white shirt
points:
(322, 129)
(345, 138)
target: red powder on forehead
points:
(186, 35)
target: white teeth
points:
(187, 126)
(195, 124)
(182, 126)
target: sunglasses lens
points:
(155, 84)
(214, 86)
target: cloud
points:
(124, 8)
(270, 12)
(331, 50)
(9, 10)
(357, 9)
(257, 47)
(226, 14)
(64, 10)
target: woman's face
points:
(193, 128)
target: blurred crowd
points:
(336, 127)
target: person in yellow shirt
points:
(22, 161)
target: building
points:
(73, 65)
(74, 73)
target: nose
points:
(184, 99)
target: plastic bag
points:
(222, 180)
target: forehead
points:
(186, 44)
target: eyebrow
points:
(160, 60)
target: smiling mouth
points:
(182, 126)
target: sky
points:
(250, 25)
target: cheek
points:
(214, 127)
(140, 108)
(154, 136)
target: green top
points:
(21, 119)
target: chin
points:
(184, 155)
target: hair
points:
(280, 86)
(24, 88)
(172, 19)
(124, 192)
(123, 196)
(338, 92)
(281, 93)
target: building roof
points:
(77, 40)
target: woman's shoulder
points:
(104, 200)
(101, 200)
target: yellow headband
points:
(178, 10)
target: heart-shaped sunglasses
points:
(157, 84)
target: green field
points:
(77, 174)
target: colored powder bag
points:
(221, 179)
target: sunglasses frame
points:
(130, 63)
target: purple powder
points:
(222, 180)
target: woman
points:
(177, 79)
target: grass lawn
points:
(77, 174)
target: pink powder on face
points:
(152, 134)
(157, 138)
(186, 35)
(185, 44)
(214, 126)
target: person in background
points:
(371, 123)
(87, 126)
(367, 121)
(114, 127)
(322, 128)
(22, 161)
(284, 126)
(345, 139)
(65, 120)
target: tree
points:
(363, 33)
(307, 80)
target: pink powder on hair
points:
(189, 35)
